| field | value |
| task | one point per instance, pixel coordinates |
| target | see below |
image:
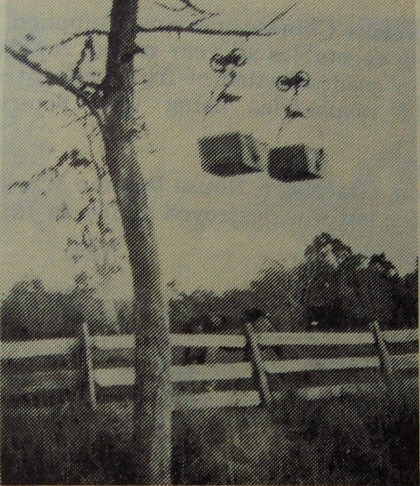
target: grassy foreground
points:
(343, 441)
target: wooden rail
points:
(53, 347)
(102, 378)
(26, 382)
(63, 346)
(251, 398)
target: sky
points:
(217, 233)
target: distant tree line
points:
(31, 311)
(333, 288)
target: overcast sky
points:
(218, 232)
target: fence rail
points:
(90, 380)
(62, 346)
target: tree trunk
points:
(152, 395)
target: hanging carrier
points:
(232, 154)
(299, 154)
(229, 153)
(296, 162)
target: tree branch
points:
(51, 78)
(203, 31)
(190, 29)
(186, 5)
(279, 16)
(88, 49)
(86, 33)
(61, 81)
(198, 21)
(68, 158)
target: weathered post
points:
(258, 365)
(384, 357)
(88, 372)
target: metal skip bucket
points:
(299, 155)
(296, 162)
(232, 154)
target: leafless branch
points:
(203, 31)
(88, 49)
(83, 97)
(186, 5)
(196, 22)
(279, 16)
(51, 78)
(86, 33)
(190, 29)
(166, 7)
(190, 5)
(66, 158)
(22, 55)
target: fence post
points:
(88, 374)
(384, 356)
(258, 365)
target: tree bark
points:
(152, 402)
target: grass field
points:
(341, 441)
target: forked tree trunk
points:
(152, 395)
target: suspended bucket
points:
(296, 162)
(299, 155)
(224, 152)
(232, 154)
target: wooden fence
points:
(20, 359)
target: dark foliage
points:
(332, 289)
(32, 312)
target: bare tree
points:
(110, 103)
